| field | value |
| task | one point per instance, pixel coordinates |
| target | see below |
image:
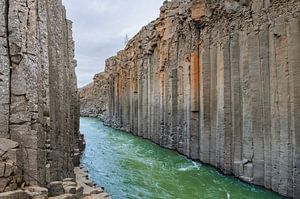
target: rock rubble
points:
(69, 188)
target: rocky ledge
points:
(69, 188)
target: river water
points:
(132, 167)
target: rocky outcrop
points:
(68, 188)
(39, 103)
(219, 82)
(92, 102)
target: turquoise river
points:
(132, 167)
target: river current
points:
(132, 167)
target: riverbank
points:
(79, 187)
(90, 190)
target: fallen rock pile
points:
(70, 188)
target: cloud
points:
(100, 28)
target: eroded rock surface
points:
(93, 102)
(39, 102)
(219, 81)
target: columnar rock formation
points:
(92, 102)
(39, 103)
(219, 81)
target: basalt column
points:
(218, 82)
(38, 91)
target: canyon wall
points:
(39, 103)
(92, 102)
(218, 81)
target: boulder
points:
(56, 188)
(36, 192)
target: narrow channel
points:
(131, 167)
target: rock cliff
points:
(39, 103)
(92, 102)
(218, 81)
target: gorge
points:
(216, 81)
(216, 84)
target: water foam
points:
(193, 166)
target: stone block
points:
(3, 183)
(9, 170)
(36, 192)
(64, 196)
(56, 188)
(20, 117)
(70, 189)
(69, 180)
(79, 191)
(25, 137)
(12, 155)
(6, 145)
(18, 194)
(69, 183)
(2, 169)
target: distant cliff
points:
(39, 102)
(218, 81)
(92, 102)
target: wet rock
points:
(86, 186)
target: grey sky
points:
(100, 28)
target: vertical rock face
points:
(39, 104)
(93, 102)
(218, 81)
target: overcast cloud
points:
(100, 28)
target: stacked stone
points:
(219, 82)
(39, 103)
(68, 188)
